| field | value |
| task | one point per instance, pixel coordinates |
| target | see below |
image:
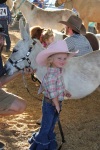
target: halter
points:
(14, 64)
(18, 7)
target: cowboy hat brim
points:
(70, 25)
(2, 1)
(56, 47)
(44, 54)
(81, 31)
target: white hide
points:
(98, 36)
(36, 16)
(81, 74)
(58, 35)
(9, 3)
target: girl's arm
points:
(56, 103)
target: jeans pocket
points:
(47, 107)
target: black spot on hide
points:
(32, 7)
(64, 36)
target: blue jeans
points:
(45, 138)
(5, 26)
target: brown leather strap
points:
(50, 101)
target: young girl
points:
(54, 57)
(47, 38)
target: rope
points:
(27, 87)
(18, 7)
(61, 132)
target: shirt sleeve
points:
(52, 87)
(9, 15)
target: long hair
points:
(36, 32)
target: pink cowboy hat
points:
(59, 46)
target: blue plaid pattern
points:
(8, 17)
(78, 42)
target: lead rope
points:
(61, 132)
(27, 87)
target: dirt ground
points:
(80, 118)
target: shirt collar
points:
(52, 70)
(2, 4)
(75, 35)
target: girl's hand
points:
(56, 104)
(67, 93)
(58, 109)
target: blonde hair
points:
(49, 61)
(46, 34)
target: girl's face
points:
(49, 40)
(59, 60)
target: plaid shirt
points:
(78, 42)
(53, 84)
(8, 17)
